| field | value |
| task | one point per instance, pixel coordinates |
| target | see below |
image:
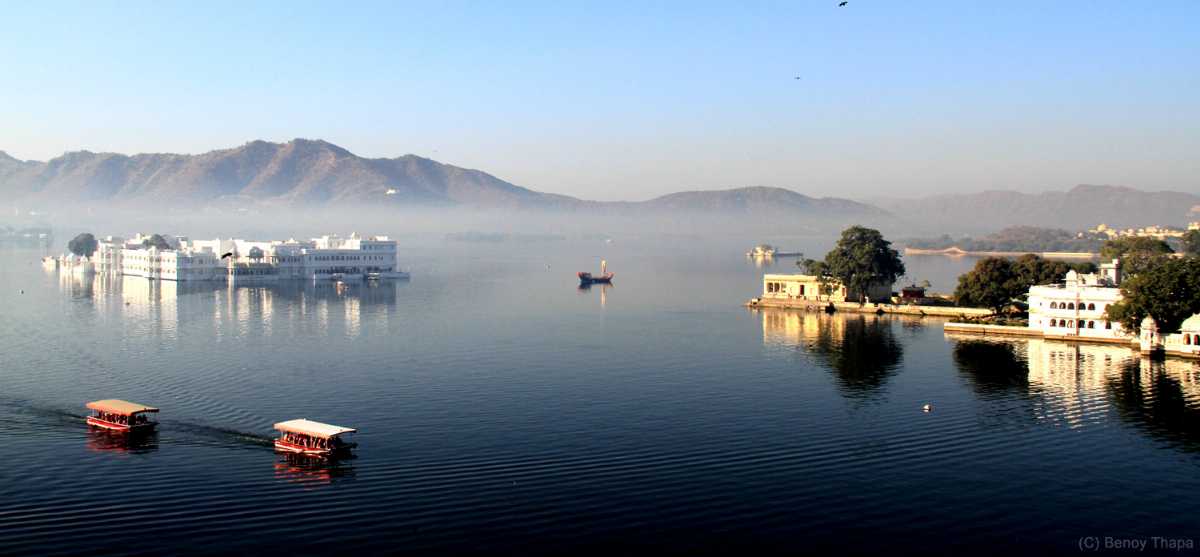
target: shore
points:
(979, 330)
(955, 251)
(854, 307)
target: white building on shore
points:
(1075, 308)
(810, 288)
(324, 258)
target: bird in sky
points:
(227, 254)
(843, 4)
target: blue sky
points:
(630, 100)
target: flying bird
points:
(227, 254)
(843, 4)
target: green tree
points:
(862, 258)
(1168, 292)
(1191, 243)
(993, 284)
(83, 245)
(157, 241)
(1137, 254)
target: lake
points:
(503, 409)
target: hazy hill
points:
(759, 200)
(1079, 208)
(308, 172)
(297, 172)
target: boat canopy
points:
(312, 429)
(116, 406)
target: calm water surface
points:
(502, 409)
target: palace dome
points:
(1191, 324)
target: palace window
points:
(1091, 307)
(1053, 305)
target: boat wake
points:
(225, 435)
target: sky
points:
(609, 100)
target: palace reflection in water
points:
(1060, 384)
(1076, 384)
(161, 307)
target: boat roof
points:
(311, 428)
(117, 406)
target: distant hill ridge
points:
(316, 172)
(305, 172)
(1079, 208)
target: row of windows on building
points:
(774, 287)
(348, 258)
(1067, 323)
(777, 287)
(1071, 305)
(1192, 340)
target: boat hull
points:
(124, 428)
(588, 278)
(284, 446)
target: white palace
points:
(324, 258)
(1075, 307)
(1075, 310)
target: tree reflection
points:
(1161, 398)
(993, 368)
(861, 350)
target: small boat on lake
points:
(604, 276)
(121, 415)
(312, 438)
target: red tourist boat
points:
(121, 415)
(604, 276)
(312, 438)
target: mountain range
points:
(305, 172)
(1080, 208)
(315, 172)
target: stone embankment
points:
(854, 307)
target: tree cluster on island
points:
(1157, 283)
(156, 241)
(860, 259)
(83, 245)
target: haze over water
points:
(503, 409)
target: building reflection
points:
(762, 261)
(162, 307)
(860, 349)
(1077, 384)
